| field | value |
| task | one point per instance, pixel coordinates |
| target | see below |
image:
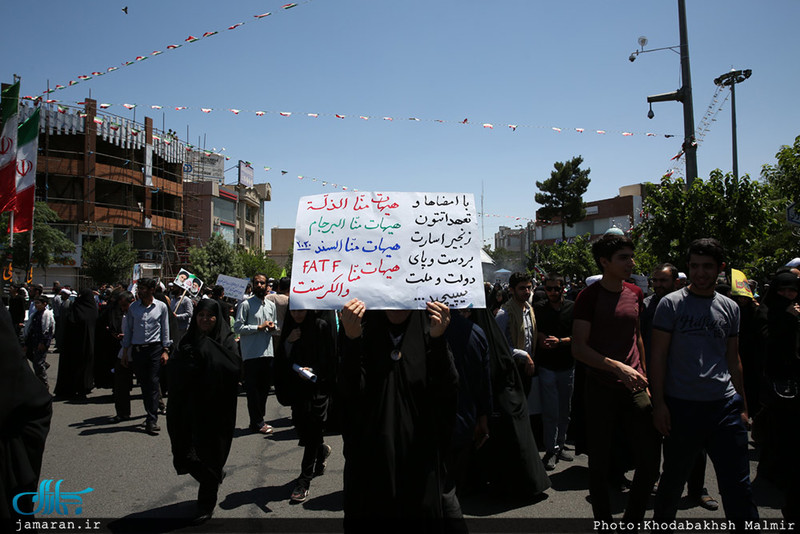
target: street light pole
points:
(689, 144)
(731, 79)
(683, 95)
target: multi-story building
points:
(110, 176)
(234, 211)
(282, 241)
(622, 211)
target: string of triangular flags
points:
(169, 48)
(703, 127)
(328, 183)
(314, 115)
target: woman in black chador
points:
(76, 363)
(304, 377)
(399, 385)
(204, 375)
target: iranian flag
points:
(27, 149)
(9, 118)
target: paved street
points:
(132, 475)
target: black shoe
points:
(118, 419)
(621, 484)
(299, 494)
(706, 501)
(201, 517)
(564, 456)
(322, 455)
(549, 461)
(152, 428)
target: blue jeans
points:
(556, 394)
(717, 427)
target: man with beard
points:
(255, 319)
(698, 391)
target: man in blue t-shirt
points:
(697, 388)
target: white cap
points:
(682, 276)
(592, 279)
(793, 263)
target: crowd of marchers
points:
(438, 402)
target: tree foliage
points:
(572, 259)
(562, 194)
(105, 261)
(216, 257)
(739, 212)
(785, 176)
(49, 243)
(253, 262)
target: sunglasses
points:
(551, 289)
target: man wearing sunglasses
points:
(556, 368)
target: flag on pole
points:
(9, 117)
(27, 150)
(740, 286)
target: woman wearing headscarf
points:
(201, 416)
(304, 372)
(25, 412)
(76, 363)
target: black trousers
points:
(146, 361)
(257, 381)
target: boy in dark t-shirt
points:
(606, 337)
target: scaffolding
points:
(100, 174)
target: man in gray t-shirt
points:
(700, 327)
(697, 389)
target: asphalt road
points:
(132, 477)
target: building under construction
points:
(109, 176)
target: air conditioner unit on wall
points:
(216, 220)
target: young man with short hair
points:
(698, 392)
(606, 337)
(556, 367)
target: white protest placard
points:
(234, 287)
(391, 250)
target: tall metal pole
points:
(689, 144)
(731, 78)
(733, 128)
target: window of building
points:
(225, 210)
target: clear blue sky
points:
(531, 63)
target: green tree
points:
(253, 262)
(562, 194)
(49, 243)
(105, 261)
(216, 257)
(739, 212)
(571, 258)
(785, 176)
